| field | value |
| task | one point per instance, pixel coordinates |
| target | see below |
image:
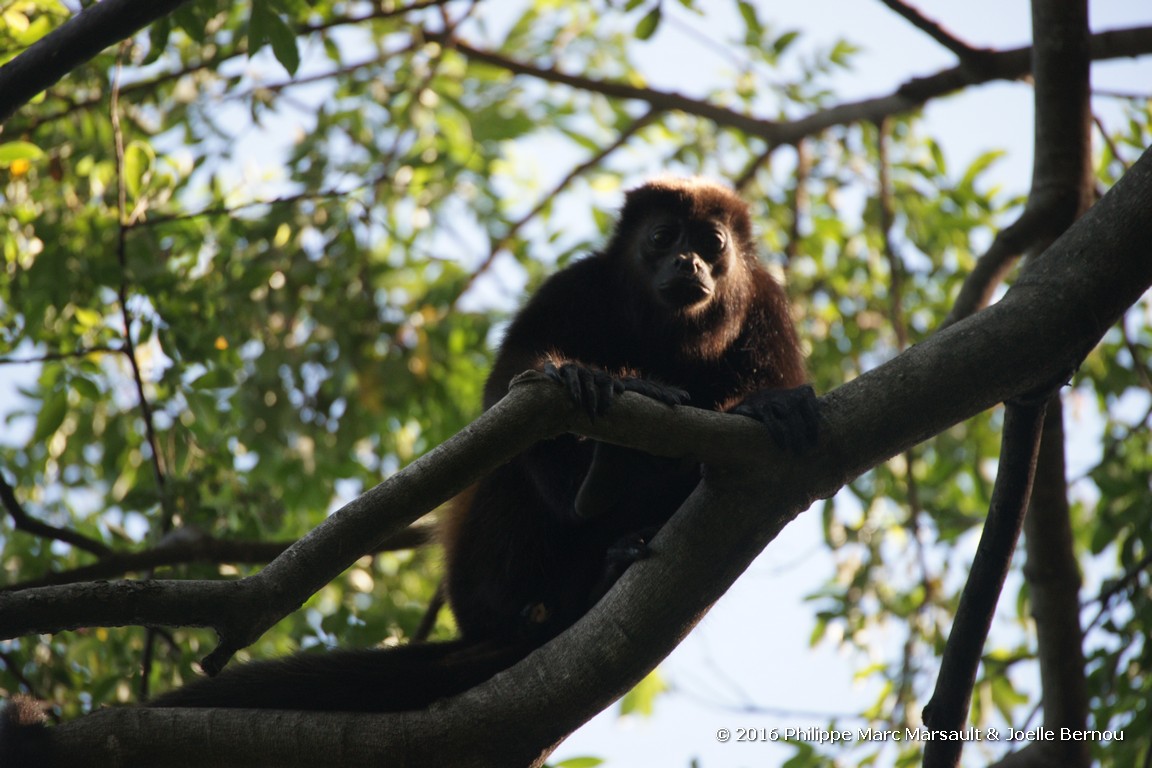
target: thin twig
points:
(745, 178)
(48, 357)
(545, 200)
(22, 521)
(1009, 64)
(887, 222)
(966, 53)
(1107, 138)
(124, 221)
(800, 202)
(1008, 246)
(428, 620)
(191, 548)
(1129, 579)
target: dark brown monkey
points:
(677, 307)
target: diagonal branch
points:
(185, 546)
(973, 57)
(991, 268)
(106, 23)
(1009, 64)
(71, 44)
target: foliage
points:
(303, 331)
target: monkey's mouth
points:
(685, 292)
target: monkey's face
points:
(685, 260)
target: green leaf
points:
(158, 38)
(649, 24)
(284, 44)
(785, 41)
(580, 762)
(981, 164)
(642, 699)
(258, 23)
(87, 319)
(86, 388)
(138, 161)
(217, 378)
(842, 53)
(266, 26)
(754, 30)
(19, 150)
(938, 157)
(51, 416)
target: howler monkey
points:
(677, 307)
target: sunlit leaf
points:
(13, 151)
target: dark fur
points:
(521, 544)
(687, 323)
(24, 741)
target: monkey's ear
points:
(792, 416)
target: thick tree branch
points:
(110, 21)
(71, 44)
(1062, 188)
(1063, 173)
(1052, 317)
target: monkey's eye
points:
(717, 239)
(663, 236)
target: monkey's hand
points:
(593, 390)
(791, 415)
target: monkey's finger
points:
(660, 392)
(567, 375)
(589, 390)
(605, 391)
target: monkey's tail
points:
(385, 680)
